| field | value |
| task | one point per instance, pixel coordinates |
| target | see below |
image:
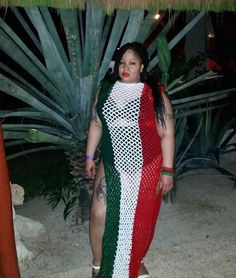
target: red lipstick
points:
(125, 74)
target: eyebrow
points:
(132, 59)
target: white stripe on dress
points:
(121, 111)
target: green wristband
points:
(167, 173)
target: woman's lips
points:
(125, 74)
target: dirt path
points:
(195, 236)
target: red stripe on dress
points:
(149, 200)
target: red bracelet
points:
(168, 169)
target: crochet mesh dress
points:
(132, 159)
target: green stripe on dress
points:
(109, 244)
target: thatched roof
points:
(110, 5)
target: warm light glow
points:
(211, 35)
(157, 16)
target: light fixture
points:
(211, 35)
(157, 16)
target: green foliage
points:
(48, 175)
(56, 75)
(164, 56)
(68, 193)
(203, 131)
(45, 174)
(211, 133)
(204, 127)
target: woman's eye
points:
(129, 63)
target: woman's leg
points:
(142, 269)
(97, 219)
(98, 214)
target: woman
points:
(134, 122)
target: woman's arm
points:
(94, 136)
(167, 134)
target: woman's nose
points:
(126, 65)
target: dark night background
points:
(221, 49)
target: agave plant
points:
(206, 132)
(57, 73)
(203, 132)
(202, 138)
(55, 62)
(211, 133)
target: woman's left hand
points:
(165, 183)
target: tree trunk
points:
(8, 257)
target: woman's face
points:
(130, 67)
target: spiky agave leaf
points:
(178, 37)
(164, 56)
(68, 80)
(64, 67)
(69, 67)
(71, 80)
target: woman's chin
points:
(127, 80)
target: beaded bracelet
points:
(89, 157)
(168, 169)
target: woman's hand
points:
(165, 183)
(90, 168)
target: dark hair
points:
(145, 77)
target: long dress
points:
(132, 157)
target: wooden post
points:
(8, 258)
